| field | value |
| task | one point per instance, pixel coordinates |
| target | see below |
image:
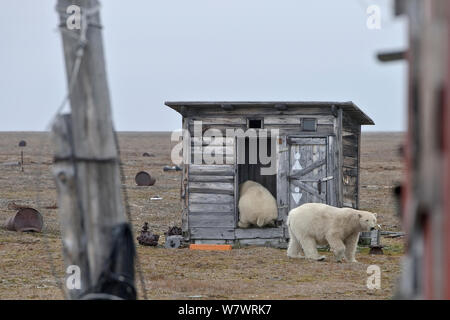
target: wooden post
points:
(86, 157)
(71, 219)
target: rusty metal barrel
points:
(144, 179)
(25, 220)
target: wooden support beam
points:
(86, 156)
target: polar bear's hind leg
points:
(260, 222)
(294, 248)
(309, 246)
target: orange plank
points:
(216, 247)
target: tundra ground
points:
(31, 265)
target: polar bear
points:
(257, 206)
(313, 224)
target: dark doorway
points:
(248, 171)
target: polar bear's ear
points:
(375, 214)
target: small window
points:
(255, 123)
(309, 125)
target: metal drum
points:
(26, 220)
(144, 179)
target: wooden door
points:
(307, 171)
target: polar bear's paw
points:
(320, 258)
(243, 224)
(296, 256)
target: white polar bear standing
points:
(313, 224)
(257, 206)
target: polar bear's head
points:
(367, 220)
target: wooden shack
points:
(314, 152)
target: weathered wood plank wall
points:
(210, 207)
(351, 135)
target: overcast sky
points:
(207, 50)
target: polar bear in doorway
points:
(257, 206)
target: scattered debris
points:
(22, 144)
(375, 245)
(156, 198)
(173, 242)
(144, 179)
(172, 168)
(25, 220)
(146, 154)
(53, 206)
(376, 187)
(147, 238)
(391, 234)
(173, 231)
(174, 238)
(376, 249)
(11, 164)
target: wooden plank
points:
(349, 191)
(309, 189)
(211, 207)
(350, 201)
(306, 141)
(358, 188)
(331, 171)
(211, 187)
(194, 178)
(282, 181)
(282, 120)
(184, 182)
(350, 151)
(212, 220)
(350, 140)
(252, 233)
(325, 121)
(212, 233)
(214, 129)
(298, 174)
(279, 121)
(213, 141)
(212, 241)
(289, 129)
(259, 111)
(214, 150)
(339, 156)
(213, 170)
(210, 247)
(200, 158)
(236, 193)
(210, 198)
(219, 120)
(279, 243)
(350, 162)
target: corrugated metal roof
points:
(349, 107)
